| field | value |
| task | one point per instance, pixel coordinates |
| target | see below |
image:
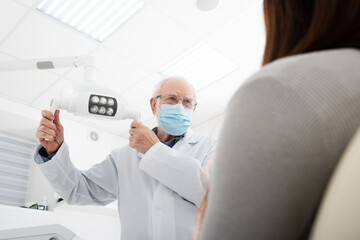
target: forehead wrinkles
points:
(181, 91)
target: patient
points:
(288, 125)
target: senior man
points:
(159, 179)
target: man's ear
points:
(153, 105)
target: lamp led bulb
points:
(95, 99)
(110, 102)
(103, 101)
(109, 111)
(94, 109)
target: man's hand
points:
(50, 129)
(141, 137)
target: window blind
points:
(15, 159)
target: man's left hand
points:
(141, 137)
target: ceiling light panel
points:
(201, 66)
(95, 18)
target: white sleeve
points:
(180, 172)
(97, 185)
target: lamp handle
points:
(53, 107)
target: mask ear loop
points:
(158, 108)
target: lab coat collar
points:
(140, 155)
(190, 138)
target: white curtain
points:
(15, 158)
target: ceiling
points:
(129, 60)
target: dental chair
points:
(339, 212)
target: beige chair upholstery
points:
(339, 214)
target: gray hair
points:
(158, 86)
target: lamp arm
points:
(88, 62)
(49, 63)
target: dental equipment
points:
(87, 98)
(44, 232)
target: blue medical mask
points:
(175, 119)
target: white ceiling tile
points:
(28, 3)
(97, 19)
(40, 36)
(140, 94)
(222, 90)
(200, 22)
(201, 65)
(4, 57)
(243, 39)
(113, 71)
(61, 71)
(150, 38)
(10, 13)
(117, 72)
(55, 90)
(75, 74)
(24, 85)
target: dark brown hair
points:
(300, 26)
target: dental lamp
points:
(86, 98)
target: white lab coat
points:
(158, 192)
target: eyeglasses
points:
(173, 99)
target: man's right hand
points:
(50, 129)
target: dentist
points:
(158, 179)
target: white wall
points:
(85, 152)
(211, 127)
